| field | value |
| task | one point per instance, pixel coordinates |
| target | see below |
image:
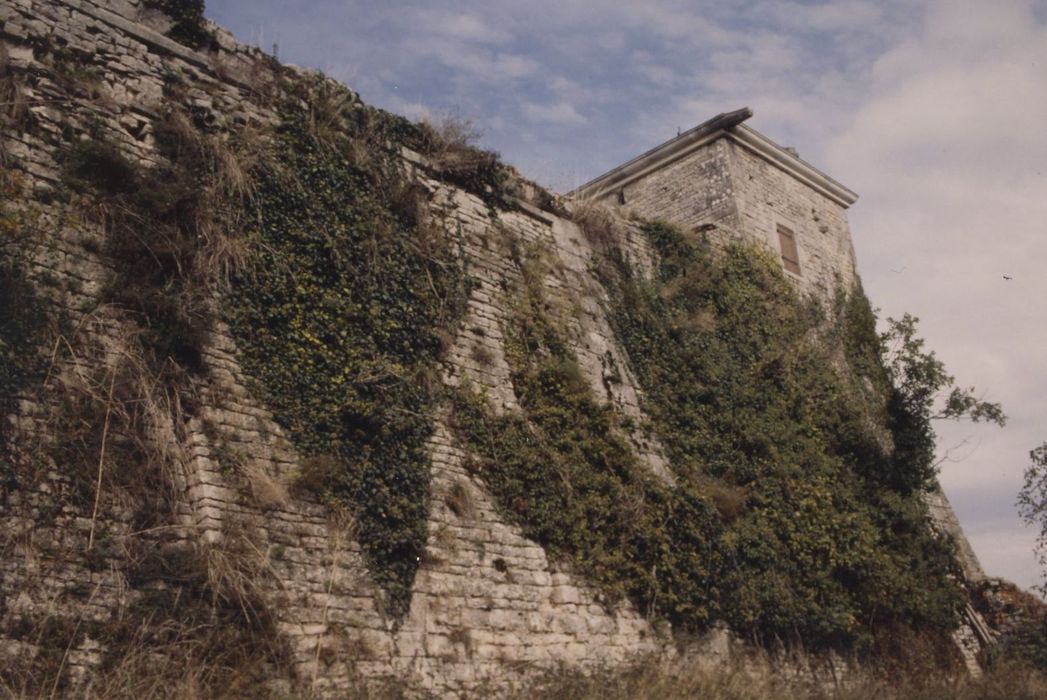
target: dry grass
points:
(226, 163)
(460, 501)
(267, 490)
(329, 117)
(661, 681)
(14, 107)
(482, 355)
(453, 149)
(598, 224)
(116, 420)
(728, 499)
(200, 628)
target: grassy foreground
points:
(658, 682)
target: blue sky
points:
(934, 111)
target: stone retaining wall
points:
(488, 604)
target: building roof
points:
(726, 125)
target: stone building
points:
(726, 180)
(487, 603)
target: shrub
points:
(189, 24)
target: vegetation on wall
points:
(1020, 617)
(14, 107)
(22, 317)
(790, 518)
(799, 451)
(121, 388)
(564, 471)
(189, 25)
(167, 245)
(449, 147)
(337, 316)
(741, 388)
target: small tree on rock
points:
(1032, 504)
(919, 381)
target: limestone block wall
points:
(487, 602)
(766, 196)
(724, 191)
(695, 191)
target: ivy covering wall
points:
(792, 518)
(745, 383)
(337, 318)
(564, 471)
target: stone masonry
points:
(486, 600)
(488, 604)
(726, 181)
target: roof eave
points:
(728, 124)
(800, 169)
(662, 155)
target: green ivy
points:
(742, 388)
(190, 26)
(564, 472)
(777, 522)
(337, 320)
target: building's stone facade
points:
(487, 601)
(470, 620)
(729, 182)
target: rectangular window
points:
(790, 256)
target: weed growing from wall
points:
(116, 408)
(563, 471)
(199, 627)
(23, 321)
(449, 146)
(742, 390)
(337, 320)
(122, 411)
(190, 26)
(15, 116)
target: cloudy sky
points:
(934, 111)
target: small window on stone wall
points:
(790, 256)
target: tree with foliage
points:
(918, 380)
(1032, 504)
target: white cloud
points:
(849, 15)
(670, 20)
(508, 65)
(457, 25)
(562, 113)
(947, 149)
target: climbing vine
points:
(337, 317)
(742, 389)
(564, 471)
